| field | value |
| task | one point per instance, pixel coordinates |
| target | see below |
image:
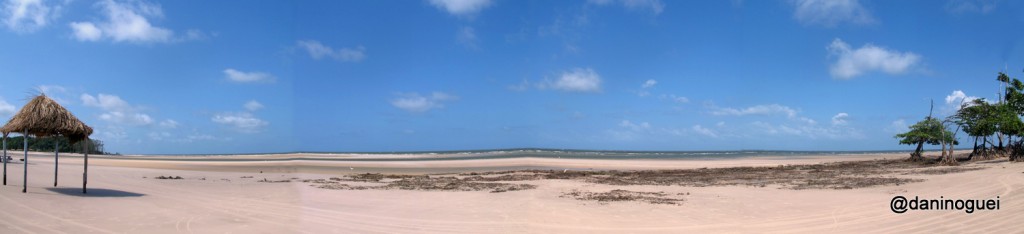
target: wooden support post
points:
(5, 159)
(24, 178)
(56, 151)
(85, 173)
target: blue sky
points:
(277, 76)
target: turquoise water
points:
(561, 153)
(606, 154)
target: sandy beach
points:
(494, 116)
(221, 197)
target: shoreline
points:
(320, 164)
(383, 156)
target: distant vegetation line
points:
(47, 144)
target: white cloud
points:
(114, 133)
(461, 7)
(646, 85)
(125, 21)
(198, 137)
(830, 13)
(117, 111)
(765, 128)
(953, 101)
(796, 125)
(628, 130)
(806, 120)
(704, 131)
(248, 77)
(414, 102)
(48, 89)
(576, 80)
(809, 130)
(840, 118)
(635, 127)
(467, 37)
(105, 102)
(253, 105)
(242, 122)
(653, 6)
(85, 31)
(971, 6)
(194, 34)
(850, 62)
(169, 123)
(649, 83)
(6, 109)
(318, 50)
(897, 126)
(957, 96)
(25, 16)
(756, 110)
(127, 118)
(56, 92)
(676, 99)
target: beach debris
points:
(265, 180)
(897, 191)
(167, 177)
(839, 175)
(618, 195)
(246, 177)
(942, 170)
(415, 182)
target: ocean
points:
(563, 153)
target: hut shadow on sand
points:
(95, 192)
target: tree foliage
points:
(977, 118)
(47, 144)
(987, 122)
(929, 131)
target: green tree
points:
(1008, 123)
(978, 120)
(928, 131)
(45, 144)
(1011, 124)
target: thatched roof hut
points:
(44, 117)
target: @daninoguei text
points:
(901, 204)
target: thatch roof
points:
(44, 117)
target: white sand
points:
(122, 200)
